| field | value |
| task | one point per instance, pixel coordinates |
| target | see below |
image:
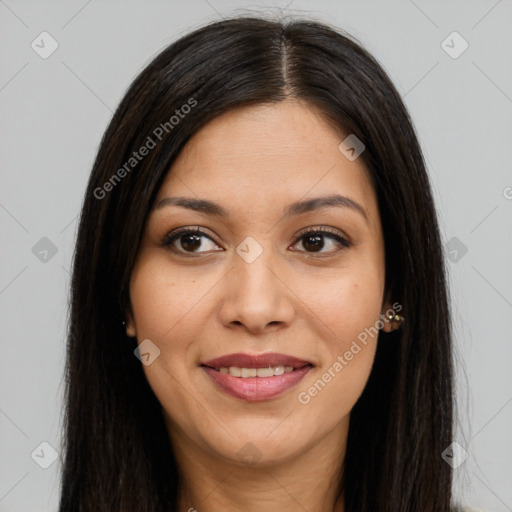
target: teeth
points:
(265, 372)
(248, 372)
(270, 371)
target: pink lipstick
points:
(256, 377)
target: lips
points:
(257, 361)
(248, 377)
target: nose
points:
(256, 296)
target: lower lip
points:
(256, 389)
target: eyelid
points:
(324, 230)
(343, 240)
(169, 237)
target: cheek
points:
(350, 305)
(165, 310)
(356, 307)
(348, 302)
(160, 302)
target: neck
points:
(308, 481)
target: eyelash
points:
(171, 237)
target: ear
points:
(130, 325)
(387, 308)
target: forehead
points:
(262, 155)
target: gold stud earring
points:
(394, 317)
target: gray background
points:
(53, 114)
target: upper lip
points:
(242, 360)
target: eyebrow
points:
(297, 208)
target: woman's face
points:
(285, 306)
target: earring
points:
(393, 317)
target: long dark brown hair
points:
(117, 453)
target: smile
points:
(256, 378)
(245, 373)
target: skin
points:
(194, 306)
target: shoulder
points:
(471, 509)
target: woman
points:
(259, 314)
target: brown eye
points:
(188, 240)
(313, 241)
